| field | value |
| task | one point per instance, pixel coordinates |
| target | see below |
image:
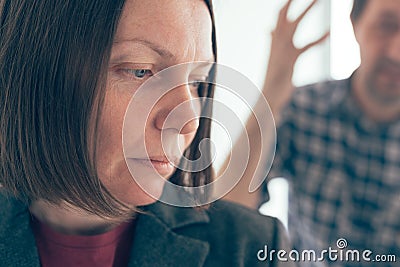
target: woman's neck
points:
(66, 219)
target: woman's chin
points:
(143, 199)
(147, 193)
(135, 191)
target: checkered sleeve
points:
(281, 166)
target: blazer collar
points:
(156, 244)
(17, 246)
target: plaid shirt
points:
(344, 171)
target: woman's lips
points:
(163, 167)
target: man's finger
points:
(316, 42)
(284, 11)
(300, 18)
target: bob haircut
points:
(54, 56)
(358, 7)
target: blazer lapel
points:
(155, 244)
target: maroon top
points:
(108, 249)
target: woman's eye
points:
(139, 73)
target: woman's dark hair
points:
(54, 57)
(358, 7)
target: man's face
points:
(377, 31)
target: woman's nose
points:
(179, 110)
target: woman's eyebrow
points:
(163, 52)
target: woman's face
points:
(151, 36)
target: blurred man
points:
(338, 142)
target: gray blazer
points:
(225, 234)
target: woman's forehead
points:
(180, 28)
